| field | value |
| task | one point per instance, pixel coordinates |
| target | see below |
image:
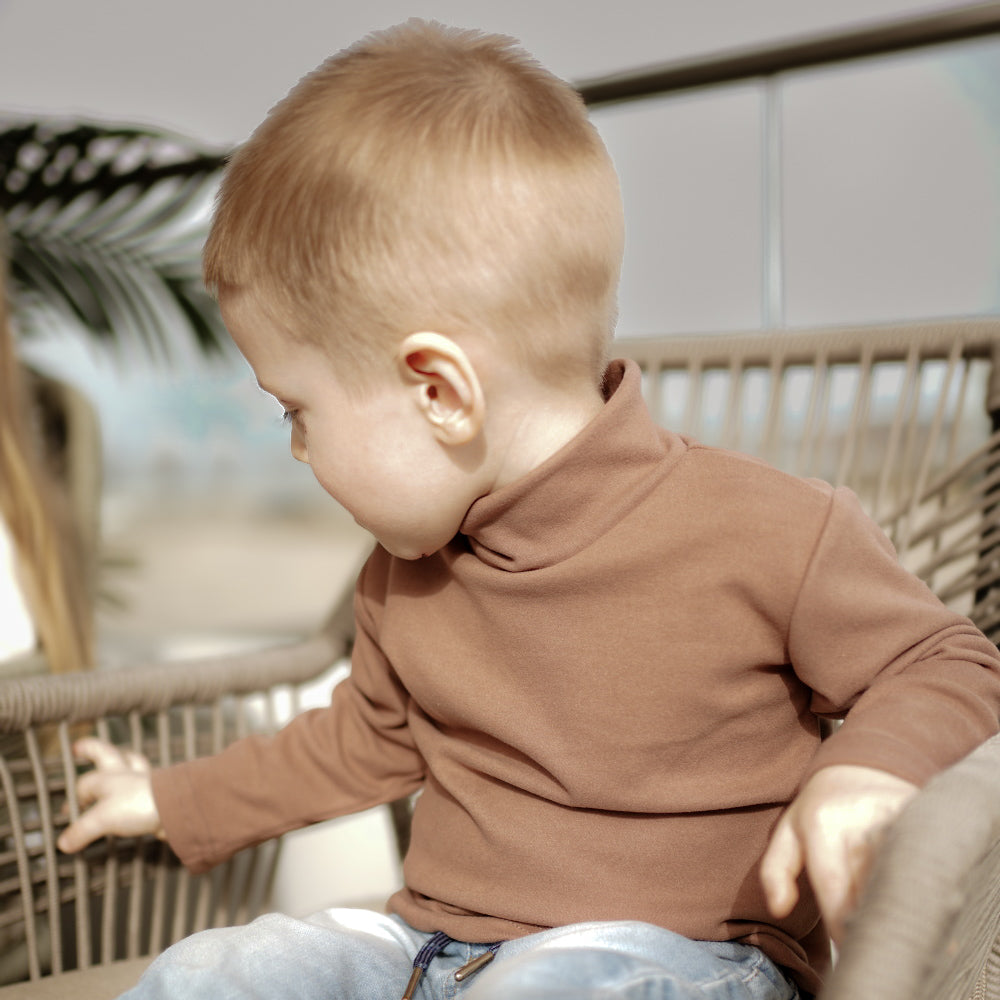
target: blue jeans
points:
(361, 955)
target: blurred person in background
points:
(46, 603)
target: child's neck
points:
(537, 424)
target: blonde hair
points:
(427, 178)
(49, 564)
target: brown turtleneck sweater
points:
(607, 687)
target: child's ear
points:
(445, 386)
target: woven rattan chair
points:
(105, 911)
(902, 414)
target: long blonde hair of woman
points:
(48, 560)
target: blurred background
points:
(888, 207)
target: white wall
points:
(211, 68)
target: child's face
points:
(372, 452)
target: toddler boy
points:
(598, 649)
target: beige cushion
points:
(104, 982)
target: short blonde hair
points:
(427, 178)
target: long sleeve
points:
(327, 762)
(920, 683)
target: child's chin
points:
(407, 552)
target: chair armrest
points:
(70, 698)
(127, 897)
(927, 927)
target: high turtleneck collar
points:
(573, 497)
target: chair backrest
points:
(902, 414)
(127, 898)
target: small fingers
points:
(780, 868)
(120, 803)
(108, 757)
(114, 795)
(100, 753)
(839, 818)
(838, 874)
(136, 762)
(81, 832)
(831, 879)
(88, 788)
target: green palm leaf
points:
(105, 227)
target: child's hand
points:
(831, 829)
(119, 793)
